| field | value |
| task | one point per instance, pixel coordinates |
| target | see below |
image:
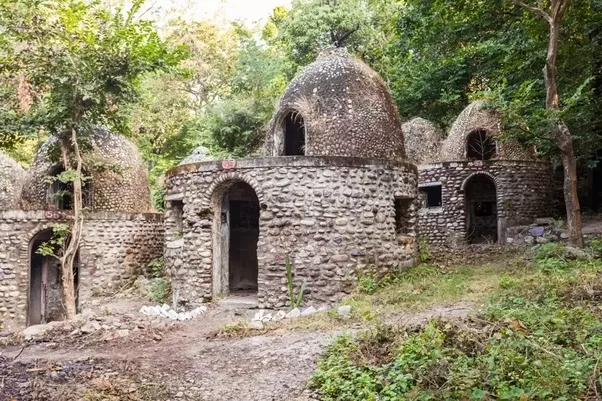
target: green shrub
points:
(156, 268)
(160, 290)
(543, 343)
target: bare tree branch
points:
(536, 10)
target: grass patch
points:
(538, 337)
(426, 285)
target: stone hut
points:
(117, 177)
(11, 182)
(121, 232)
(334, 195)
(480, 185)
(422, 140)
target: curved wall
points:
(332, 215)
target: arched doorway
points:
(481, 209)
(45, 301)
(294, 135)
(480, 145)
(235, 267)
(61, 193)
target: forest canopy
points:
(436, 57)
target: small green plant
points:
(156, 268)
(424, 254)
(367, 282)
(295, 298)
(160, 290)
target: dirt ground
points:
(187, 361)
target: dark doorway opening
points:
(480, 146)
(61, 193)
(403, 215)
(236, 271)
(45, 302)
(481, 210)
(294, 135)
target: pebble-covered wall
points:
(422, 141)
(115, 248)
(11, 181)
(345, 108)
(332, 215)
(524, 192)
(118, 182)
(479, 116)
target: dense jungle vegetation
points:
(216, 83)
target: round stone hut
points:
(333, 196)
(121, 232)
(479, 185)
(11, 182)
(117, 179)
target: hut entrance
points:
(45, 303)
(235, 242)
(480, 146)
(294, 135)
(481, 210)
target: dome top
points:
(199, 154)
(336, 106)
(118, 180)
(11, 180)
(473, 136)
(422, 140)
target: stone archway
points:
(480, 194)
(294, 135)
(235, 237)
(45, 293)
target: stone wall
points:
(332, 215)
(524, 191)
(11, 181)
(115, 248)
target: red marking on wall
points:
(228, 164)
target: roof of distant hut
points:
(479, 116)
(118, 181)
(200, 154)
(11, 182)
(422, 140)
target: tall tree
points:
(85, 62)
(553, 15)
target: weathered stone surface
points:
(344, 311)
(329, 233)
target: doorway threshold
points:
(239, 301)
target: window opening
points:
(294, 135)
(480, 146)
(402, 215)
(432, 196)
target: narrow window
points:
(431, 196)
(480, 146)
(402, 215)
(294, 135)
(176, 218)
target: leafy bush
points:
(538, 338)
(160, 290)
(156, 268)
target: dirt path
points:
(180, 364)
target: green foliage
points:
(424, 254)
(543, 343)
(56, 244)
(295, 297)
(156, 268)
(160, 290)
(367, 282)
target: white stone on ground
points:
(344, 311)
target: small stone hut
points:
(334, 195)
(121, 232)
(11, 181)
(479, 185)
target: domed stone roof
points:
(478, 118)
(118, 178)
(198, 155)
(11, 181)
(422, 140)
(336, 106)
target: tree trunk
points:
(571, 200)
(562, 136)
(70, 253)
